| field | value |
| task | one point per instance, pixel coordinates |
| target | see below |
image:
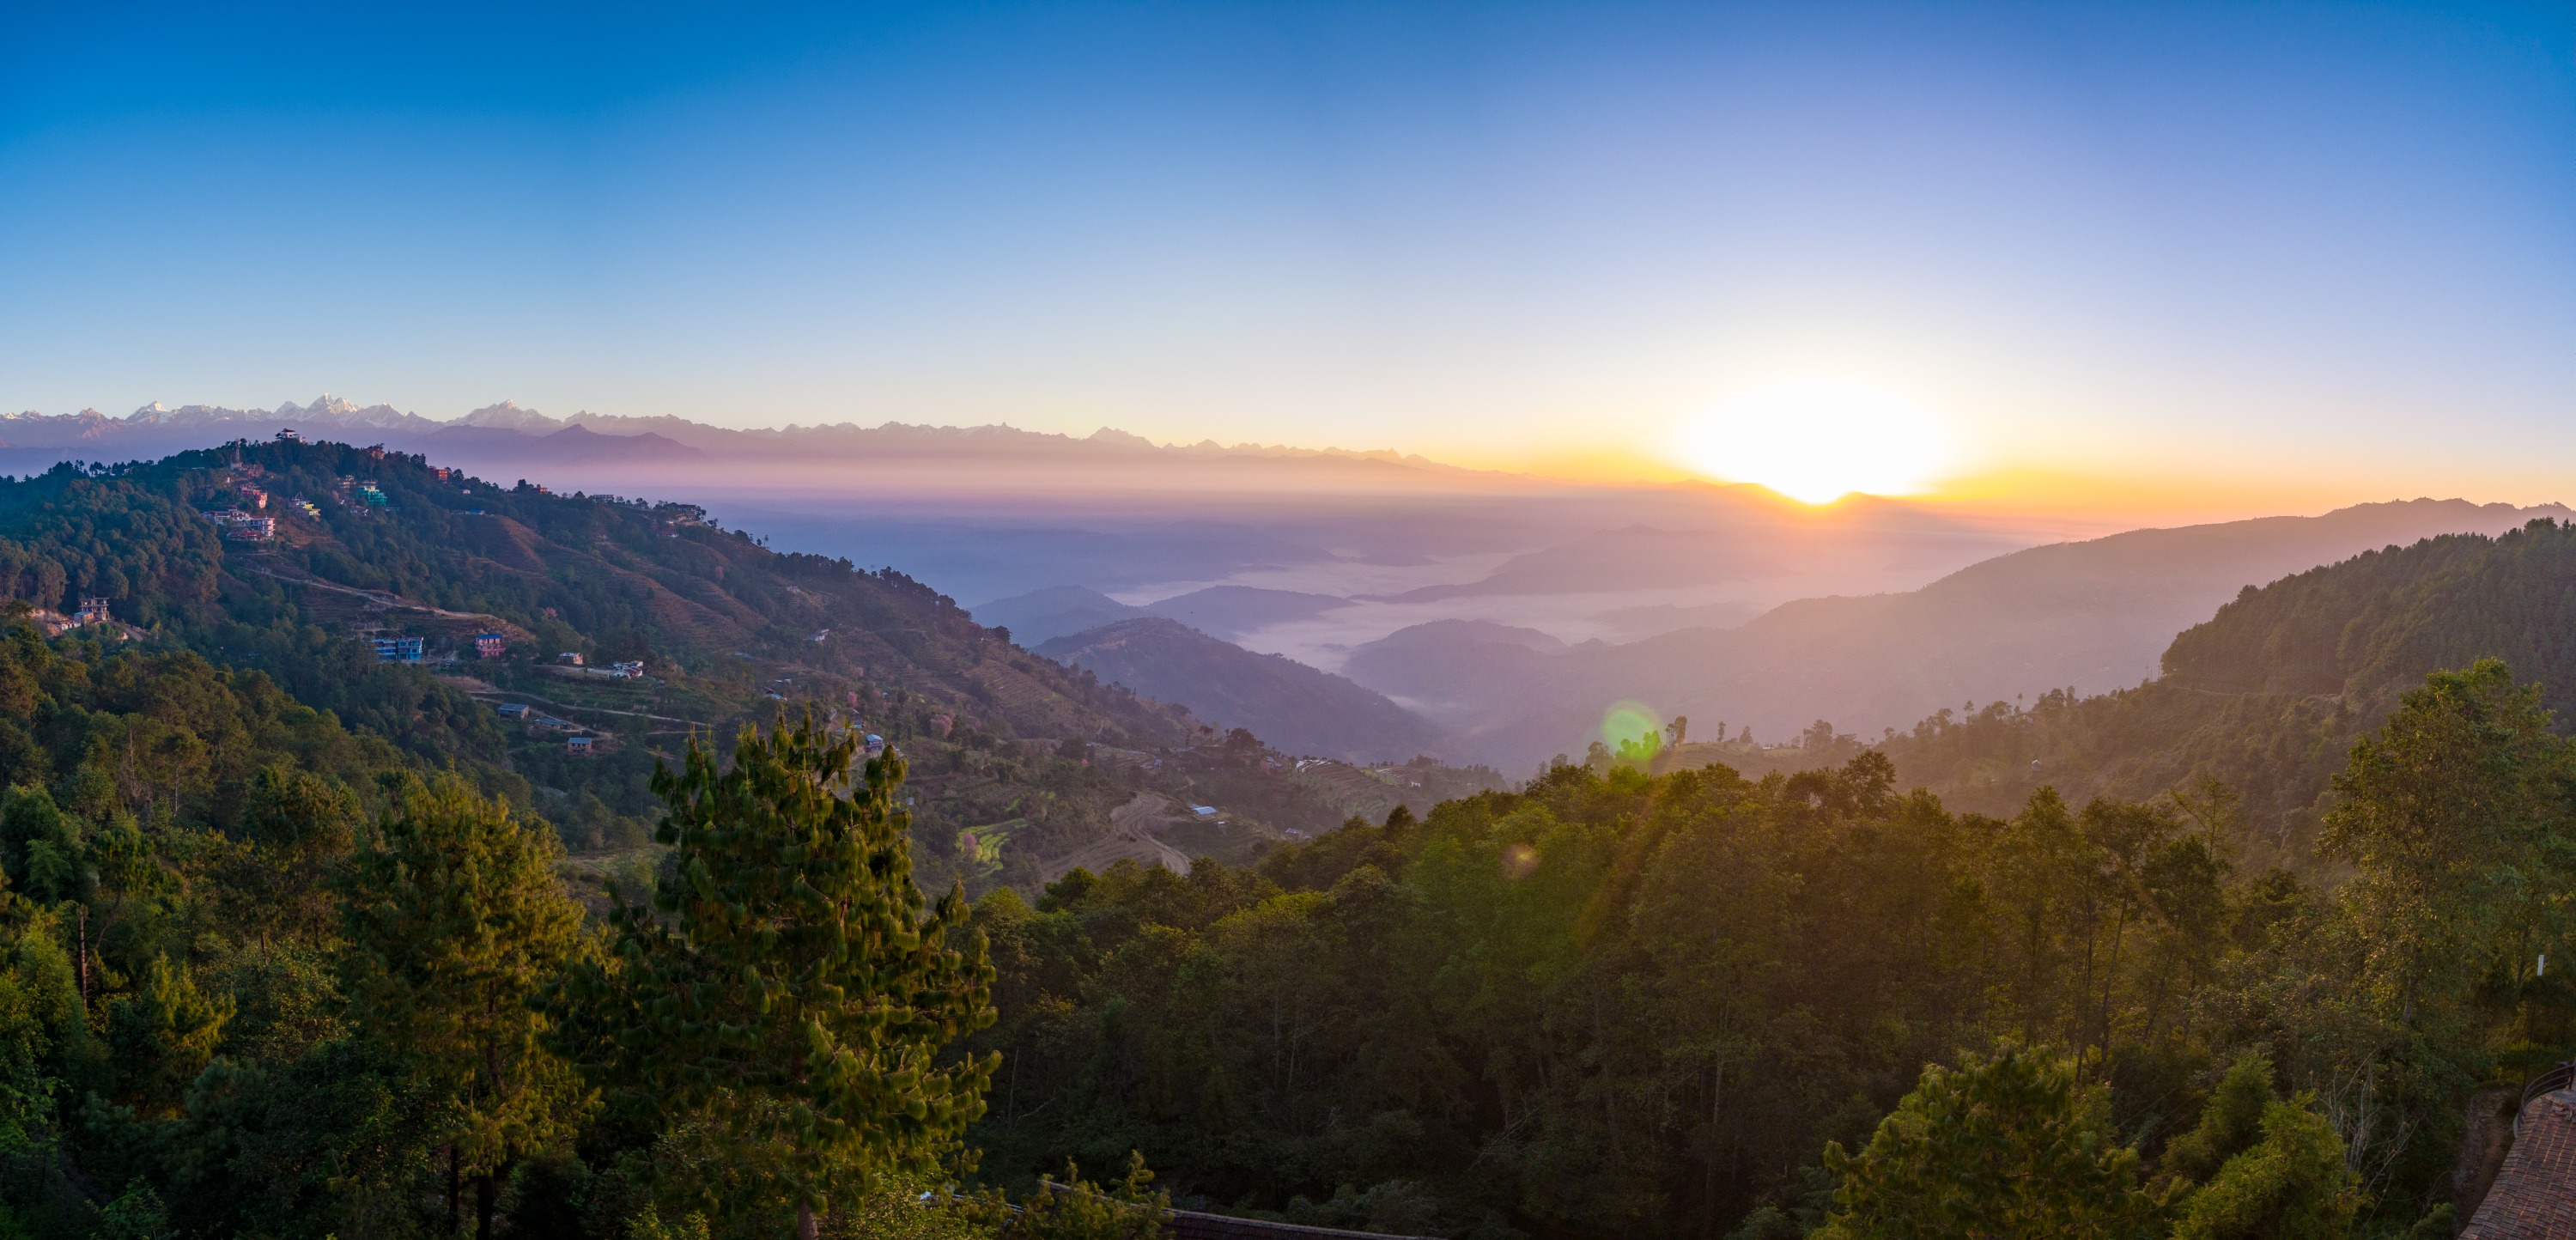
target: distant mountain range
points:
(1374, 540)
(1509, 611)
(1220, 611)
(2091, 616)
(2088, 616)
(594, 437)
(1293, 707)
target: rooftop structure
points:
(2534, 1196)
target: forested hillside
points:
(275, 916)
(2266, 696)
(727, 630)
(284, 950)
(1685, 1005)
(2092, 616)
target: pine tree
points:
(300, 827)
(1076, 1209)
(454, 921)
(2008, 1146)
(2291, 1184)
(794, 1012)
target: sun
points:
(1819, 440)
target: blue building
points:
(397, 649)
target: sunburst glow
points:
(1819, 441)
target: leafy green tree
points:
(794, 1013)
(2452, 816)
(454, 921)
(2455, 818)
(2012, 1146)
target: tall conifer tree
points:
(454, 921)
(794, 1010)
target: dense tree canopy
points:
(799, 1004)
(288, 948)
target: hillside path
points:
(1128, 840)
(479, 695)
(381, 598)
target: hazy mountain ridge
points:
(1427, 664)
(1293, 707)
(1041, 616)
(2092, 615)
(992, 512)
(151, 425)
(2267, 695)
(1225, 612)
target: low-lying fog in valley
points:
(1507, 613)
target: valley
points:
(1181, 851)
(1288, 621)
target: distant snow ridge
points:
(152, 426)
(508, 415)
(326, 410)
(156, 429)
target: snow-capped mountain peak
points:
(324, 406)
(508, 414)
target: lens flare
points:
(1816, 442)
(1630, 722)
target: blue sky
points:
(2286, 251)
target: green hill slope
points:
(2266, 696)
(373, 544)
